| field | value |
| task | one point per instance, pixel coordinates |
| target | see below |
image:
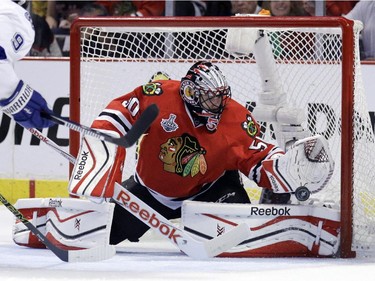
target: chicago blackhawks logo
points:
(183, 155)
(249, 126)
(151, 89)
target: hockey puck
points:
(302, 193)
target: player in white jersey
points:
(17, 98)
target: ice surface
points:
(161, 261)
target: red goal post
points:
(316, 58)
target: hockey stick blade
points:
(177, 236)
(87, 255)
(138, 128)
(215, 246)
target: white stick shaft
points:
(177, 236)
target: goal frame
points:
(347, 107)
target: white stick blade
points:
(228, 240)
(94, 254)
(216, 246)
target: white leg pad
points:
(276, 230)
(68, 222)
(31, 209)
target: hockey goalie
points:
(195, 152)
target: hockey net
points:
(317, 61)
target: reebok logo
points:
(269, 211)
(274, 183)
(54, 203)
(37, 134)
(81, 165)
(149, 219)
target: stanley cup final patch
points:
(169, 125)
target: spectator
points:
(339, 8)
(309, 7)
(245, 7)
(45, 43)
(190, 8)
(284, 8)
(202, 8)
(66, 12)
(218, 8)
(94, 10)
(364, 11)
(134, 8)
(66, 23)
(284, 42)
(43, 16)
(333, 8)
(47, 10)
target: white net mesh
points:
(115, 60)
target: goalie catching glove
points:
(305, 168)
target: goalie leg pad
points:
(308, 163)
(67, 222)
(276, 230)
(31, 209)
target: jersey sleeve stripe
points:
(120, 128)
(118, 115)
(116, 119)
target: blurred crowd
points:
(53, 19)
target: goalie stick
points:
(138, 128)
(176, 235)
(87, 255)
(185, 242)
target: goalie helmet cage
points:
(317, 60)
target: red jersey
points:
(177, 157)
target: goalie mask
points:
(205, 91)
